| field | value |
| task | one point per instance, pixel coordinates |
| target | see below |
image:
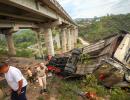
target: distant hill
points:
(83, 19)
(93, 29)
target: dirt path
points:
(33, 92)
(55, 85)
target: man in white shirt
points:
(15, 80)
(42, 74)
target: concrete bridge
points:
(41, 16)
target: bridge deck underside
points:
(11, 13)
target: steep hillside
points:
(97, 28)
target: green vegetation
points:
(118, 94)
(91, 85)
(2, 43)
(98, 28)
(24, 38)
(66, 91)
(3, 51)
(79, 44)
(24, 53)
(63, 90)
(69, 90)
(54, 32)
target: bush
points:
(65, 89)
(24, 44)
(101, 91)
(92, 86)
(3, 51)
(90, 80)
(119, 94)
(24, 53)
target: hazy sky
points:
(91, 8)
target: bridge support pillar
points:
(57, 40)
(63, 40)
(72, 38)
(75, 37)
(49, 41)
(68, 39)
(10, 44)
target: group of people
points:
(18, 82)
(40, 74)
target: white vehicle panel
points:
(123, 51)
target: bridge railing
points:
(60, 8)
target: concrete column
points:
(10, 44)
(63, 40)
(49, 41)
(48, 35)
(72, 38)
(68, 39)
(57, 40)
(75, 36)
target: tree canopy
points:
(24, 38)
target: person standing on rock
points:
(42, 74)
(15, 80)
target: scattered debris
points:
(113, 52)
(88, 95)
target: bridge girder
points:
(35, 9)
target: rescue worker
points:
(15, 80)
(42, 75)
